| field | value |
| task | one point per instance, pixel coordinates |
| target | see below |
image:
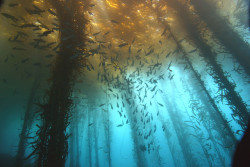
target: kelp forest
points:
(123, 83)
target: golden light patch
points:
(151, 17)
(94, 24)
(127, 17)
(38, 2)
(112, 4)
(164, 8)
(141, 5)
(169, 19)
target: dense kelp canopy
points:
(123, 83)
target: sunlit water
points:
(137, 102)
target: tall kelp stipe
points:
(52, 144)
(22, 41)
(206, 50)
(188, 66)
(27, 123)
(131, 83)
